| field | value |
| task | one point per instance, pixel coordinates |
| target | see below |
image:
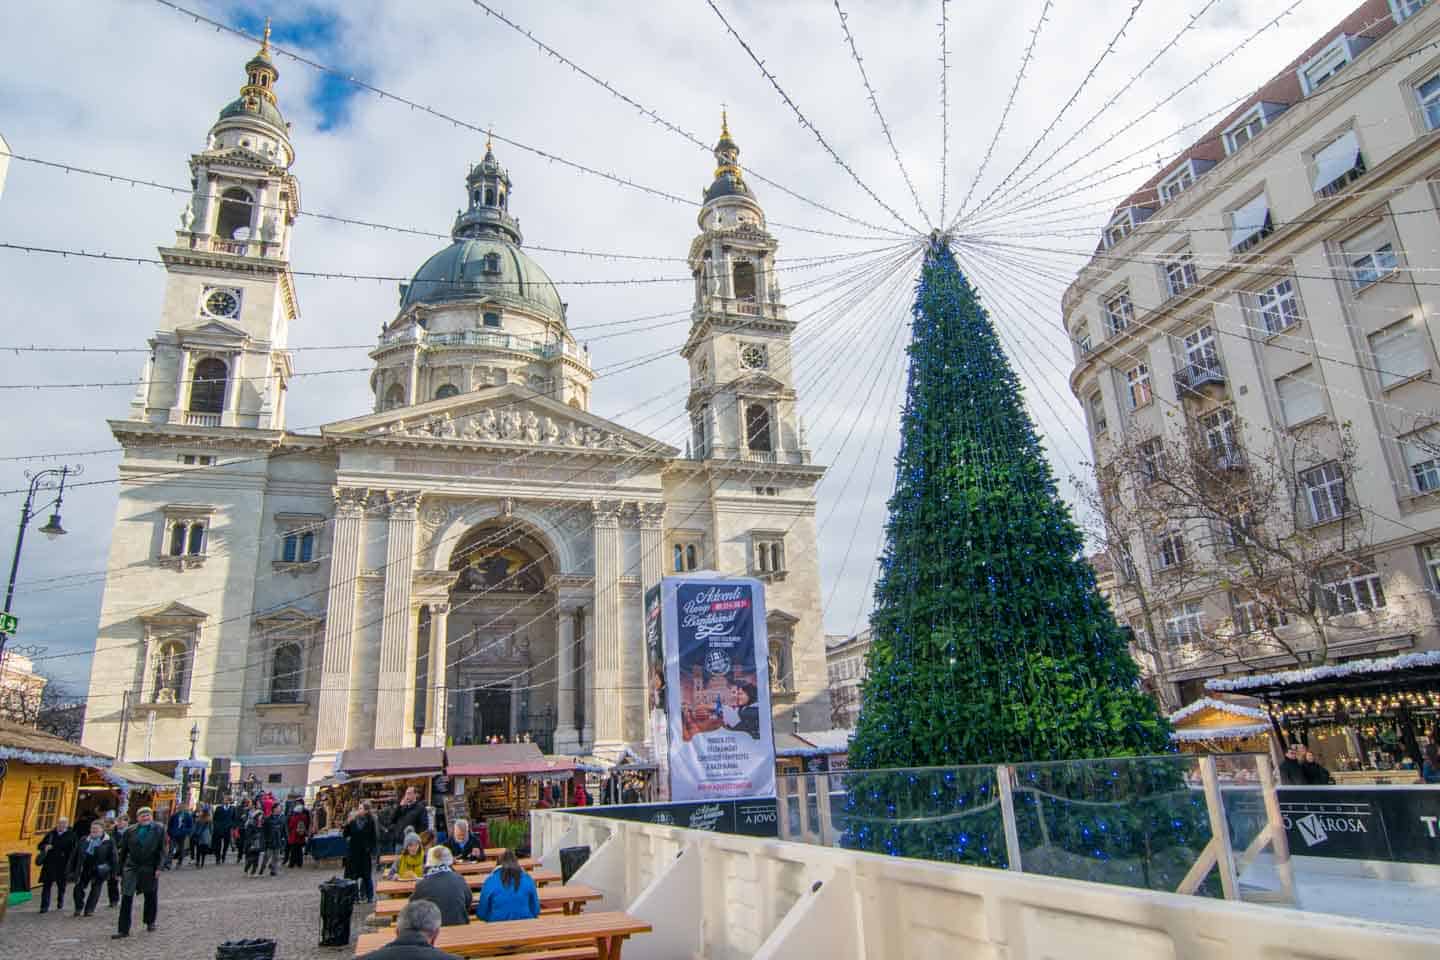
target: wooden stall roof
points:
(28, 745)
(137, 776)
(503, 759)
(1352, 677)
(399, 761)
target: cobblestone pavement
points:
(199, 909)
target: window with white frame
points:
(1219, 428)
(1083, 344)
(1250, 223)
(1403, 10)
(1422, 459)
(1278, 306)
(1324, 490)
(1152, 459)
(1177, 183)
(1370, 257)
(1399, 352)
(1328, 62)
(1237, 525)
(1338, 164)
(1119, 312)
(1170, 551)
(1245, 129)
(1185, 624)
(1352, 588)
(1118, 230)
(1137, 385)
(767, 553)
(1096, 403)
(1250, 616)
(1301, 397)
(1200, 350)
(1180, 273)
(685, 553)
(1430, 554)
(1428, 93)
(186, 533)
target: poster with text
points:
(655, 707)
(717, 688)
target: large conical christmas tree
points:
(990, 641)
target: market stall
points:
(1211, 725)
(1366, 720)
(382, 777)
(504, 779)
(125, 787)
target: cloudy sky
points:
(131, 87)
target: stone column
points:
(392, 725)
(231, 404)
(567, 738)
(333, 715)
(607, 648)
(436, 702)
(182, 373)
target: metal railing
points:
(202, 419)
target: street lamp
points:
(185, 778)
(51, 479)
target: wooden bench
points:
(491, 853)
(604, 933)
(567, 901)
(403, 888)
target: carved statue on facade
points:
(510, 425)
(532, 427)
(445, 427)
(552, 431)
(489, 428)
(187, 216)
(572, 435)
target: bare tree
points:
(50, 708)
(1270, 524)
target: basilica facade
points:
(467, 558)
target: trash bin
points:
(19, 877)
(337, 903)
(257, 949)
(572, 859)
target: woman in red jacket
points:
(298, 832)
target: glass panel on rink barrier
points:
(1243, 798)
(1140, 822)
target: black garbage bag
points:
(337, 903)
(258, 949)
(572, 859)
(20, 872)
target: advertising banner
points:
(1395, 823)
(717, 688)
(659, 731)
(750, 818)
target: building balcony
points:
(1195, 377)
(1225, 459)
(202, 419)
(487, 340)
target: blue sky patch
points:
(315, 32)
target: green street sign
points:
(9, 623)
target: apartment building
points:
(845, 665)
(1257, 318)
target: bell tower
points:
(218, 357)
(742, 391)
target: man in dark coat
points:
(222, 822)
(415, 934)
(143, 853)
(445, 888)
(181, 825)
(409, 814)
(361, 838)
(91, 865)
(1292, 773)
(276, 836)
(116, 828)
(56, 848)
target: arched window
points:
(492, 263)
(757, 427)
(446, 390)
(285, 674)
(235, 213)
(177, 540)
(207, 389)
(195, 545)
(394, 397)
(172, 668)
(744, 280)
(476, 199)
(489, 196)
(502, 199)
(690, 557)
(679, 559)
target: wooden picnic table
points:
(607, 930)
(403, 888)
(570, 900)
(491, 853)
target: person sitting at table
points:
(410, 864)
(463, 844)
(508, 893)
(415, 934)
(445, 888)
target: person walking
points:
(267, 803)
(299, 831)
(415, 934)
(144, 852)
(91, 865)
(56, 848)
(508, 893)
(202, 837)
(361, 839)
(445, 888)
(179, 828)
(275, 832)
(116, 828)
(252, 839)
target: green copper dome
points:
(259, 108)
(484, 268)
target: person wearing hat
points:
(445, 888)
(143, 851)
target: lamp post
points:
(185, 780)
(51, 479)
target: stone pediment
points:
(174, 611)
(500, 416)
(212, 329)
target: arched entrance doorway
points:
(501, 636)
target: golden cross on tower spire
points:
(724, 120)
(265, 41)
